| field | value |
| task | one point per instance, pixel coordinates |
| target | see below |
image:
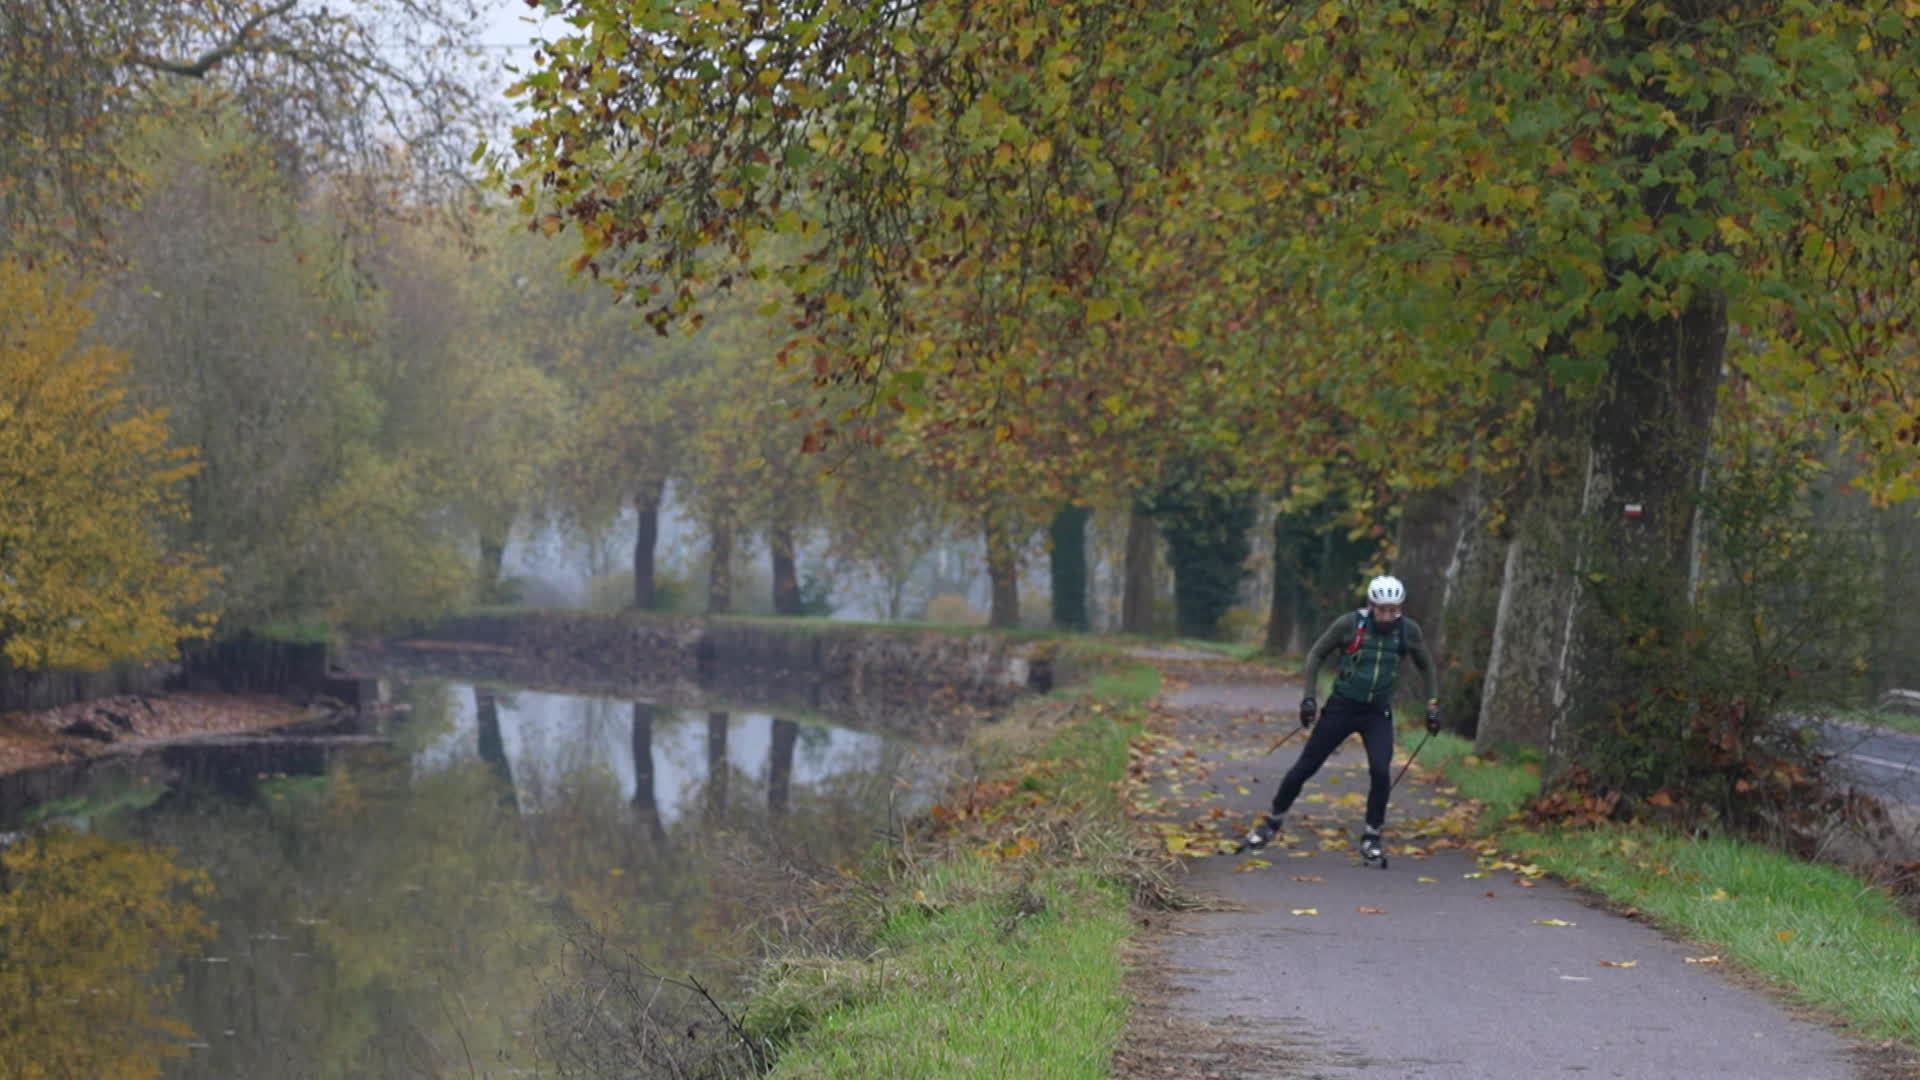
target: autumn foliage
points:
(84, 923)
(88, 481)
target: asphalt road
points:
(1881, 762)
(1440, 966)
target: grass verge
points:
(1837, 943)
(1503, 782)
(1876, 718)
(1834, 942)
(992, 946)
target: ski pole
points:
(1283, 740)
(1409, 764)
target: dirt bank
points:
(127, 722)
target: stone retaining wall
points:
(880, 678)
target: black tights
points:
(1343, 717)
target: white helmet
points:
(1386, 589)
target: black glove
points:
(1307, 711)
(1433, 718)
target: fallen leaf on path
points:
(1620, 963)
(1475, 874)
(1428, 880)
(1703, 959)
(1242, 788)
(1553, 922)
(1312, 878)
(1371, 910)
(1300, 854)
(1247, 866)
(1306, 911)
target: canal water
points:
(495, 883)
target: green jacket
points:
(1367, 675)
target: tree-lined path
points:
(1452, 963)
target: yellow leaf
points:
(1177, 844)
(1620, 963)
(1249, 865)
(1040, 152)
(873, 143)
(1306, 911)
(1428, 881)
(1703, 959)
(1783, 935)
(1718, 894)
(1553, 922)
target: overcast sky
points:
(509, 26)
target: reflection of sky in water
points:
(549, 737)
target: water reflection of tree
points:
(378, 922)
(359, 940)
(85, 924)
(646, 802)
(493, 747)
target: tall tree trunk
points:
(786, 734)
(1625, 515)
(493, 553)
(1137, 588)
(645, 801)
(493, 747)
(1430, 525)
(717, 770)
(1067, 561)
(1283, 599)
(1537, 592)
(1651, 435)
(1299, 560)
(1003, 572)
(720, 569)
(646, 539)
(1470, 599)
(786, 582)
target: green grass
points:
(980, 962)
(982, 978)
(1133, 684)
(1505, 782)
(1835, 942)
(1893, 721)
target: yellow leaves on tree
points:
(86, 482)
(84, 924)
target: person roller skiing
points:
(1372, 641)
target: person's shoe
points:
(1371, 849)
(1263, 833)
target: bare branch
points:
(217, 55)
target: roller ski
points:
(1260, 835)
(1372, 851)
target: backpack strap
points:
(1359, 631)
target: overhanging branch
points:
(219, 54)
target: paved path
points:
(1437, 967)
